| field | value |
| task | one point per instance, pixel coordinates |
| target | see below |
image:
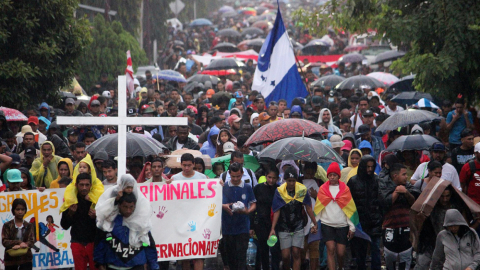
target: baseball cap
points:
(363, 129)
(30, 151)
(438, 146)
(189, 112)
(347, 145)
(263, 116)
(14, 176)
(72, 132)
(477, 148)
(138, 129)
(106, 94)
(131, 111)
(95, 103)
(238, 94)
(317, 101)
(69, 101)
(33, 119)
(368, 113)
(210, 93)
(15, 159)
(233, 119)
(228, 147)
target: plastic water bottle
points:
(251, 253)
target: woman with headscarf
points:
(353, 161)
(254, 121)
(44, 168)
(146, 173)
(139, 222)
(64, 168)
(70, 195)
(327, 121)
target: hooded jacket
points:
(366, 144)
(376, 145)
(189, 144)
(350, 171)
(67, 161)
(45, 105)
(453, 254)
(331, 127)
(4, 127)
(350, 135)
(210, 148)
(41, 178)
(298, 109)
(364, 189)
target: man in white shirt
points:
(248, 175)
(449, 173)
(392, 107)
(187, 161)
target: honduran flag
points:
(276, 76)
(345, 201)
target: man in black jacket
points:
(364, 189)
(182, 140)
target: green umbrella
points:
(250, 162)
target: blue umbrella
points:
(170, 75)
(201, 22)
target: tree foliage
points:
(442, 37)
(107, 52)
(40, 42)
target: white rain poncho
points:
(138, 223)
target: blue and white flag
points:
(425, 103)
(276, 76)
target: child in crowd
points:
(218, 169)
(223, 137)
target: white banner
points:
(186, 221)
(187, 218)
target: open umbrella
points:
(412, 142)
(217, 98)
(388, 56)
(261, 9)
(229, 32)
(386, 78)
(226, 47)
(407, 117)
(300, 148)
(137, 145)
(252, 32)
(352, 58)
(329, 80)
(359, 81)
(425, 103)
(224, 72)
(230, 14)
(13, 115)
(262, 25)
(315, 47)
(355, 48)
(249, 162)
(284, 129)
(409, 98)
(170, 75)
(248, 11)
(405, 84)
(201, 22)
(225, 9)
(201, 78)
(225, 63)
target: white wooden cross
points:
(122, 121)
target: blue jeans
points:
(361, 246)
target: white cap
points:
(477, 148)
(228, 147)
(135, 81)
(106, 94)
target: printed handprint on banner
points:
(193, 226)
(206, 233)
(162, 210)
(60, 235)
(7, 219)
(62, 245)
(211, 210)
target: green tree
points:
(107, 52)
(442, 37)
(40, 42)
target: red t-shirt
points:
(472, 181)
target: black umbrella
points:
(225, 63)
(217, 98)
(388, 56)
(315, 47)
(409, 98)
(296, 45)
(178, 43)
(300, 148)
(407, 117)
(405, 84)
(256, 42)
(352, 58)
(226, 47)
(228, 33)
(202, 78)
(329, 80)
(412, 142)
(252, 32)
(359, 81)
(137, 145)
(230, 14)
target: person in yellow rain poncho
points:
(352, 168)
(142, 95)
(64, 168)
(44, 168)
(70, 196)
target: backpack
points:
(250, 173)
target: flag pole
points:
(302, 73)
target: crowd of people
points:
(318, 211)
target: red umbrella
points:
(285, 129)
(220, 72)
(13, 115)
(357, 47)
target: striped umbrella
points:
(425, 103)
